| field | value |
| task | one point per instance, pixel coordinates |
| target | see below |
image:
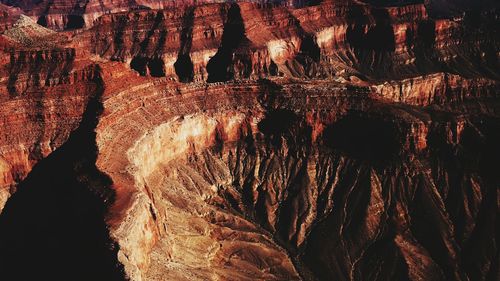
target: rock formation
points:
(8, 16)
(249, 140)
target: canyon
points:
(249, 140)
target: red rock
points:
(8, 16)
(337, 141)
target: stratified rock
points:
(257, 140)
(220, 42)
(76, 14)
(285, 158)
(44, 92)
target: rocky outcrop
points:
(30, 35)
(438, 88)
(39, 121)
(73, 14)
(64, 199)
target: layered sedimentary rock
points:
(284, 159)
(342, 140)
(74, 14)
(230, 41)
(44, 92)
(437, 88)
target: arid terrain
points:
(152, 140)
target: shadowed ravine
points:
(53, 228)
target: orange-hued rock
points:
(204, 173)
(254, 140)
(73, 14)
(436, 88)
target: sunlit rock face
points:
(274, 164)
(249, 140)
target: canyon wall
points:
(345, 140)
(284, 158)
(217, 43)
(8, 16)
(43, 96)
(75, 14)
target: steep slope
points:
(76, 14)
(55, 223)
(282, 159)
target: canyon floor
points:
(152, 140)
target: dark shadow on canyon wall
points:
(53, 227)
(156, 67)
(42, 21)
(364, 138)
(152, 66)
(219, 66)
(184, 67)
(75, 22)
(372, 45)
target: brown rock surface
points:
(238, 141)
